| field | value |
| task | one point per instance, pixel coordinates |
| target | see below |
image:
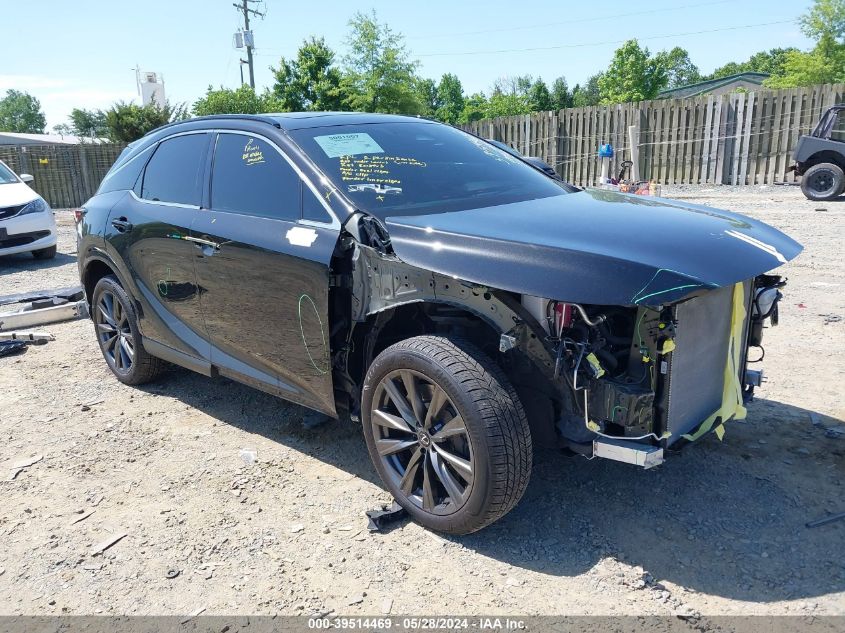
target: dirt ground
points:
(718, 529)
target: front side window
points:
(174, 173)
(251, 177)
(412, 168)
(6, 175)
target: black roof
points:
(300, 120)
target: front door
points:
(265, 273)
(150, 228)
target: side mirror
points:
(27, 178)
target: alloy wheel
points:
(422, 441)
(114, 333)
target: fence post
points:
(634, 142)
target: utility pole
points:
(244, 7)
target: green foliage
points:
(475, 108)
(309, 82)
(824, 23)
(539, 97)
(501, 104)
(88, 123)
(633, 75)
(380, 76)
(771, 62)
(587, 95)
(21, 112)
(679, 69)
(561, 97)
(127, 122)
(450, 99)
(426, 90)
(243, 100)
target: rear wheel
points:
(824, 181)
(45, 253)
(117, 333)
(446, 432)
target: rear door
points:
(149, 228)
(264, 271)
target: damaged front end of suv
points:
(624, 323)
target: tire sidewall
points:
(109, 283)
(838, 182)
(479, 500)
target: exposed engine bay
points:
(657, 376)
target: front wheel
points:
(824, 181)
(446, 432)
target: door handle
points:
(121, 224)
(202, 243)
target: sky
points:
(83, 53)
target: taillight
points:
(78, 214)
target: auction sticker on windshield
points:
(336, 145)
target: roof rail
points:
(249, 117)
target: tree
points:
(561, 97)
(679, 69)
(475, 108)
(825, 63)
(21, 112)
(589, 94)
(426, 90)
(127, 122)
(309, 82)
(90, 123)
(502, 104)
(243, 100)
(771, 62)
(380, 76)
(633, 75)
(62, 129)
(539, 97)
(451, 100)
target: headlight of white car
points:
(36, 206)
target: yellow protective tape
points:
(732, 407)
(668, 346)
(720, 431)
(598, 370)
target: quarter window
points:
(251, 177)
(174, 173)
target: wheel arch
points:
(824, 156)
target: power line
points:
(606, 43)
(601, 18)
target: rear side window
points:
(123, 177)
(837, 132)
(174, 173)
(251, 177)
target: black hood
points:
(594, 246)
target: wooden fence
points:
(736, 139)
(65, 175)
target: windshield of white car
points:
(415, 168)
(6, 175)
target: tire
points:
(824, 181)
(473, 446)
(45, 253)
(112, 311)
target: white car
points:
(26, 220)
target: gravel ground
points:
(718, 529)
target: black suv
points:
(449, 296)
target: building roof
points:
(19, 138)
(702, 87)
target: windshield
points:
(6, 175)
(392, 169)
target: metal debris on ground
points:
(380, 519)
(10, 348)
(43, 306)
(826, 520)
(82, 516)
